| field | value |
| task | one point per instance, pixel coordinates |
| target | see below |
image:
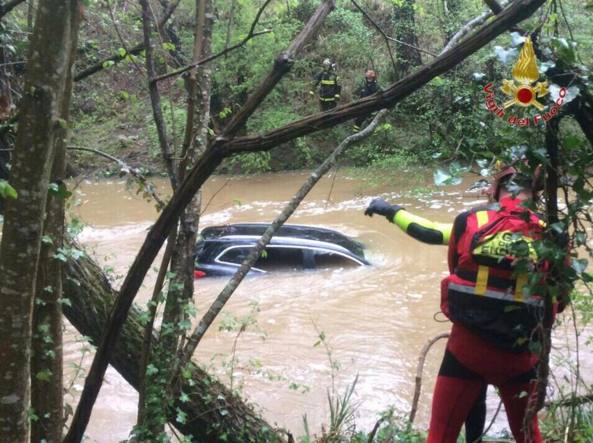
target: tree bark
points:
(404, 24)
(46, 360)
(221, 147)
(213, 411)
(48, 64)
(212, 157)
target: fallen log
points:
(213, 412)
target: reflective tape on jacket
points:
(327, 99)
(328, 82)
(498, 295)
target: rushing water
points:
(375, 319)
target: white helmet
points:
(327, 63)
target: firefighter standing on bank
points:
(329, 87)
(369, 87)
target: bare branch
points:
(155, 97)
(264, 240)
(470, 25)
(378, 28)
(208, 59)
(419, 368)
(282, 65)
(226, 50)
(134, 172)
(417, 48)
(134, 50)
(213, 156)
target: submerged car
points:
(221, 249)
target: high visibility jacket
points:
(490, 254)
(329, 87)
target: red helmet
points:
(370, 74)
(505, 171)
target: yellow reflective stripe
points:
(403, 219)
(519, 285)
(482, 218)
(328, 82)
(483, 271)
(330, 99)
(482, 280)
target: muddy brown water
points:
(375, 319)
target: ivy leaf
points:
(564, 49)
(59, 190)
(579, 265)
(571, 93)
(181, 416)
(505, 56)
(44, 375)
(108, 64)
(517, 39)
(7, 191)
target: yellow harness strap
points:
(483, 271)
(520, 283)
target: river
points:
(375, 319)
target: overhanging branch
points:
(222, 147)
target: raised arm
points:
(417, 227)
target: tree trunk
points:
(405, 31)
(46, 360)
(214, 413)
(23, 226)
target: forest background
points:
(444, 124)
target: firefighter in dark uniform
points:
(369, 87)
(329, 87)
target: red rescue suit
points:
(492, 315)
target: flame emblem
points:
(525, 73)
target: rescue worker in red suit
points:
(492, 316)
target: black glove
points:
(381, 207)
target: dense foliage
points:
(445, 124)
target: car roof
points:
(290, 235)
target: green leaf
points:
(108, 64)
(47, 240)
(44, 375)
(183, 398)
(65, 301)
(579, 265)
(181, 416)
(151, 369)
(59, 190)
(7, 191)
(121, 52)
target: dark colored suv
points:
(221, 249)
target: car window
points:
(280, 259)
(234, 255)
(325, 259)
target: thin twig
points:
(248, 37)
(378, 28)
(255, 252)
(204, 207)
(121, 39)
(134, 172)
(419, 368)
